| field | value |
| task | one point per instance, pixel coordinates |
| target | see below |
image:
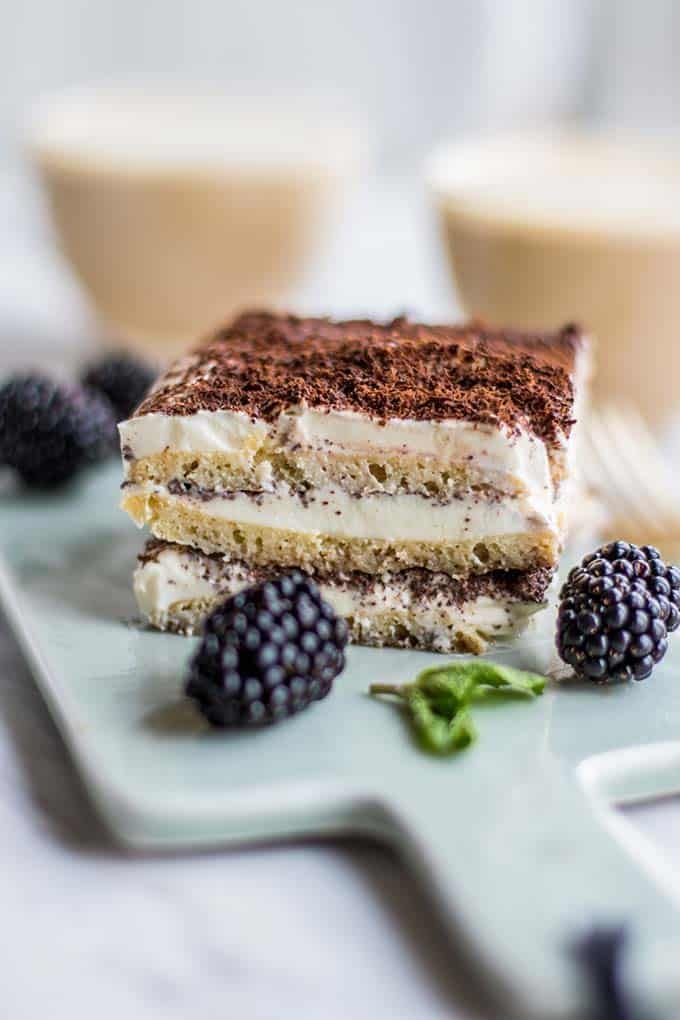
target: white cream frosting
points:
(202, 432)
(170, 578)
(514, 461)
(402, 517)
(174, 577)
(494, 450)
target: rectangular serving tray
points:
(517, 836)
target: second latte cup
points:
(544, 230)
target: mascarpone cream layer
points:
(174, 577)
(402, 517)
(518, 461)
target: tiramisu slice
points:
(417, 471)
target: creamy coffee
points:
(546, 230)
(176, 210)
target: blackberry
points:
(644, 563)
(267, 653)
(616, 610)
(122, 378)
(49, 431)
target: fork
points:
(623, 464)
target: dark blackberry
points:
(644, 563)
(122, 378)
(49, 431)
(616, 610)
(267, 653)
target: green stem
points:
(396, 689)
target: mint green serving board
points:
(518, 837)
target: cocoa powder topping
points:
(263, 363)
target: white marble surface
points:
(305, 931)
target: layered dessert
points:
(418, 473)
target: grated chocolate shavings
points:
(263, 363)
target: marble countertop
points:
(305, 930)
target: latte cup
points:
(541, 231)
(176, 210)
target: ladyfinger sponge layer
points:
(357, 475)
(189, 522)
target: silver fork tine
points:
(648, 472)
(605, 476)
(609, 474)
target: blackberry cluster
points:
(267, 653)
(616, 611)
(122, 378)
(49, 431)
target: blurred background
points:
(406, 74)
(416, 70)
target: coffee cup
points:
(176, 209)
(544, 230)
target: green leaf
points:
(439, 733)
(507, 678)
(468, 676)
(439, 699)
(447, 683)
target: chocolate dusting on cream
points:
(509, 585)
(263, 364)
